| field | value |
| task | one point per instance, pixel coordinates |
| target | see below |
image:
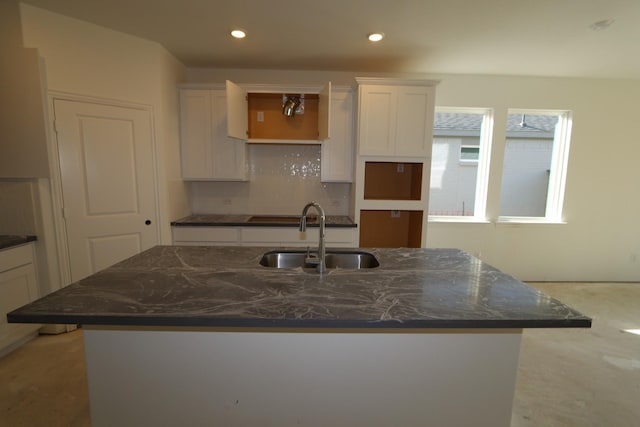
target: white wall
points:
(88, 60)
(600, 241)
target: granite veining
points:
(8, 241)
(226, 287)
(215, 220)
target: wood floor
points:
(566, 377)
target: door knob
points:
(148, 222)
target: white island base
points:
(209, 377)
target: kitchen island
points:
(208, 336)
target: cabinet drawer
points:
(186, 235)
(16, 256)
(279, 236)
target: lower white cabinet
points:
(338, 237)
(18, 286)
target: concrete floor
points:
(566, 377)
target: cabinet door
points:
(195, 133)
(413, 127)
(229, 154)
(376, 120)
(324, 112)
(207, 152)
(337, 152)
(237, 111)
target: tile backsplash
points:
(282, 179)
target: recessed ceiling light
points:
(239, 34)
(375, 37)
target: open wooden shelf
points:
(390, 229)
(392, 181)
(275, 125)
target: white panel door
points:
(106, 164)
(237, 111)
(377, 121)
(413, 129)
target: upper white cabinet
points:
(254, 113)
(395, 118)
(337, 152)
(207, 152)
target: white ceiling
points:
(507, 37)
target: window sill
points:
(528, 220)
(457, 219)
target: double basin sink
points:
(333, 259)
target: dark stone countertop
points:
(226, 287)
(8, 241)
(212, 220)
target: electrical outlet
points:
(395, 214)
(261, 116)
(400, 167)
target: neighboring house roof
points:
(518, 125)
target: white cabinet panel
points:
(276, 236)
(414, 121)
(237, 111)
(263, 236)
(207, 152)
(395, 120)
(337, 152)
(18, 286)
(222, 236)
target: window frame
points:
(557, 168)
(483, 164)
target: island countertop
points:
(226, 287)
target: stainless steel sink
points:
(334, 259)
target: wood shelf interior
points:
(275, 125)
(392, 181)
(390, 229)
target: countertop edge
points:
(10, 241)
(303, 324)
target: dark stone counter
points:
(7, 241)
(226, 287)
(258, 221)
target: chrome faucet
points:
(321, 265)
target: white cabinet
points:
(18, 286)
(395, 119)
(207, 152)
(337, 151)
(343, 237)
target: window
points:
(535, 163)
(460, 163)
(469, 154)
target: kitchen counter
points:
(258, 221)
(202, 335)
(8, 241)
(226, 287)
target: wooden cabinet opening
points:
(266, 120)
(392, 181)
(390, 229)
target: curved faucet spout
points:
(322, 266)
